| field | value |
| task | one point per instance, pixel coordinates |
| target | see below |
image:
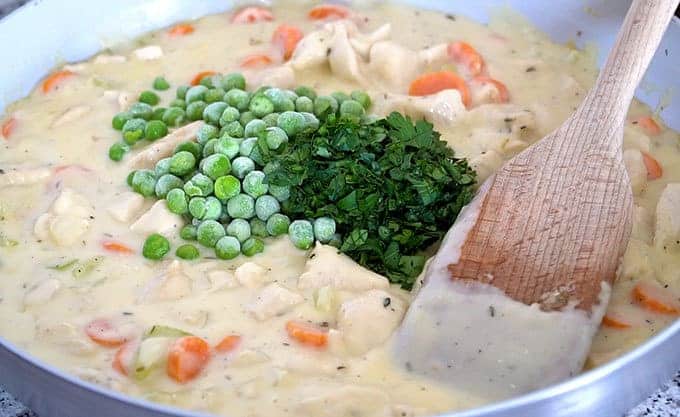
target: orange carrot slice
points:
(181, 30)
(53, 80)
(113, 246)
(8, 127)
(654, 169)
(615, 321)
(307, 334)
(464, 54)
(256, 61)
(435, 82)
(252, 14)
(201, 75)
(228, 344)
(187, 357)
(503, 94)
(652, 297)
(124, 358)
(328, 11)
(286, 38)
(105, 333)
(648, 125)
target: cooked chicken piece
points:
(397, 66)
(222, 280)
(251, 275)
(158, 219)
(643, 224)
(71, 115)
(667, 234)
(312, 50)
(171, 285)
(326, 266)
(23, 176)
(67, 220)
(362, 43)
(310, 363)
(148, 53)
(126, 206)
(164, 147)
(441, 108)
(273, 300)
(637, 171)
(342, 58)
(320, 400)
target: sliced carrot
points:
(434, 82)
(255, 61)
(125, 357)
(181, 30)
(307, 334)
(54, 79)
(328, 11)
(648, 125)
(252, 14)
(615, 321)
(654, 169)
(464, 54)
(228, 344)
(286, 38)
(201, 75)
(187, 357)
(8, 127)
(105, 333)
(113, 246)
(652, 297)
(503, 94)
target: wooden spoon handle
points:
(607, 103)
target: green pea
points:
(325, 106)
(291, 122)
(166, 183)
(209, 81)
(130, 176)
(160, 84)
(254, 185)
(247, 146)
(361, 97)
(182, 91)
(155, 129)
(141, 111)
(174, 116)
(254, 128)
(261, 106)
(176, 200)
(209, 147)
(162, 167)
(259, 228)
(216, 166)
(301, 233)
(304, 104)
(252, 246)
(182, 163)
(188, 252)
(119, 120)
(155, 247)
(213, 208)
(257, 155)
(149, 97)
(195, 110)
(304, 91)
(178, 103)
(209, 232)
(133, 131)
(233, 129)
(200, 185)
(118, 150)
(246, 117)
(144, 182)
(227, 146)
(195, 93)
(230, 114)
(266, 206)
(271, 119)
(197, 206)
(281, 193)
(189, 146)
(206, 132)
(277, 224)
(324, 229)
(351, 108)
(290, 95)
(227, 248)
(240, 229)
(158, 113)
(311, 122)
(241, 166)
(213, 112)
(339, 96)
(237, 98)
(233, 80)
(241, 206)
(188, 232)
(214, 95)
(275, 137)
(227, 187)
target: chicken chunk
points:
(158, 220)
(343, 60)
(274, 300)
(637, 171)
(148, 53)
(67, 220)
(164, 147)
(326, 266)
(321, 400)
(251, 275)
(441, 108)
(667, 234)
(23, 176)
(171, 285)
(126, 206)
(643, 224)
(369, 320)
(71, 115)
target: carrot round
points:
(648, 125)
(187, 357)
(286, 38)
(503, 94)
(53, 80)
(464, 54)
(113, 246)
(655, 298)
(122, 361)
(228, 344)
(252, 14)
(201, 75)
(105, 333)
(328, 11)
(307, 334)
(434, 82)
(255, 61)
(615, 321)
(8, 127)
(181, 29)
(654, 169)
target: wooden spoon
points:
(515, 293)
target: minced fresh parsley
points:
(391, 185)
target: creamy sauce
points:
(58, 215)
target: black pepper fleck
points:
(387, 301)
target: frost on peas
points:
(207, 132)
(228, 247)
(240, 229)
(176, 200)
(209, 147)
(241, 207)
(241, 166)
(215, 166)
(230, 114)
(301, 233)
(254, 185)
(167, 182)
(304, 104)
(304, 91)
(182, 163)
(291, 122)
(189, 146)
(278, 224)
(271, 119)
(133, 130)
(213, 112)
(233, 80)
(254, 128)
(144, 182)
(195, 93)
(280, 192)
(162, 167)
(246, 117)
(311, 122)
(324, 229)
(252, 246)
(275, 137)
(233, 129)
(227, 146)
(213, 209)
(188, 232)
(247, 146)
(200, 185)
(351, 108)
(214, 95)
(195, 109)
(266, 206)
(237, 98)
(227, 187)
(197, 207)
(209, 232)
(259, 228)
(141, 110)
(325, 106)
